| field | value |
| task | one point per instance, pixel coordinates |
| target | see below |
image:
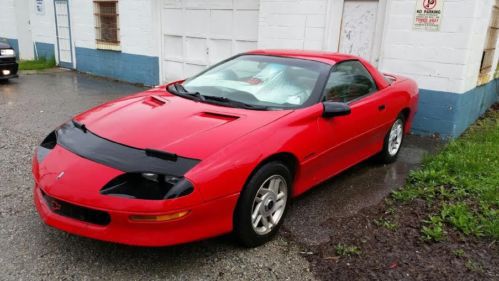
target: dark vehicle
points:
(8, 64)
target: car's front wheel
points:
(262, 204)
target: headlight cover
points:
(46, 146)
(7, 52)
(149, 186)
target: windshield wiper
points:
(181, 90)
(235, 103)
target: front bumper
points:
(203, 221)
(10, 65)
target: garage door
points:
(199, 33)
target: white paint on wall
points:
(82, 23)
(180, 32)
(137, 27)
(447, 60)
(482, 14)
(8, 28)
(137, 22)
(23, 25)
(43, 25)
(292, 24)
(358, 28)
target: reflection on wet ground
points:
(361, 186)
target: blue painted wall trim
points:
(450, 114)
(14, 44)
(118, 65)
(44, 50)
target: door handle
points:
(381, 107)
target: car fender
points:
(227, 171)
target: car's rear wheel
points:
(262, 204)
(393, 141)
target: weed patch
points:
(347, 250)
(38, 64)
(462, 183)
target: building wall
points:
(445, 63)
(292, 24)
(8, 29)
(137, 61)
(43, 30)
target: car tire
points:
(393, 141)
(262, 204)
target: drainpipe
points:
(36, 50)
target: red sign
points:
(430, 4)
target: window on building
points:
(488, 63)
(107, 30)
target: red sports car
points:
(223, 151)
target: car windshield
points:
(259, 81)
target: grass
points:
(460, 184)
(458, 253)
(473, 266)
(433, 230)
(38, 64)
(386, 223)
(347, 250)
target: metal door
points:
(358, 28)
(63, 32)
(199, 33)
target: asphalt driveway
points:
(34, 104)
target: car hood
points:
(161, 121)
(4, 45)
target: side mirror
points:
(332, 109)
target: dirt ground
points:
(400, 254)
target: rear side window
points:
(349, 81)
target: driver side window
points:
(348, 81)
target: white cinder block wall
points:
(136, 57)
(138, 27)
(445, 63)
(8, 27)
(43, 26)
(292, 24)
(436, 60)
(448, 60)
(481, 22)
(135, 23)
(82, 23)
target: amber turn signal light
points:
(158, 218)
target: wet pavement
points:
(34, 104)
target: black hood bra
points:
(76, 138)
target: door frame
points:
(69, 65)
(334, 16)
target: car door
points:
(358, 135)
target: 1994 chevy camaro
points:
(223, 151)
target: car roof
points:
(326, 57)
